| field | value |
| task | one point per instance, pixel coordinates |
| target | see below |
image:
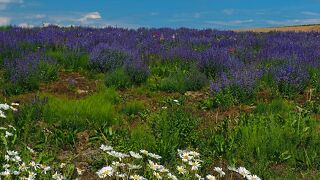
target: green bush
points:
(182, 80)
(48, 71)
(118, 79)
(274, 135)
(142, 138)
(195, 80)
(93, 112)
(175, 128)
(134, 108)
(173, 83)
(30, 83)
(70, 60)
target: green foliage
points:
(134, 108)
(179, 77)
(70, 60)
(142, 138)
(30, 83)
(96, 111)
(223, 99)
(118, 79)
(48, 71)
(175, 128)
(174, 83)
(315, 79)
(275, 134)
(195, 80)
(45, 72)
(5, 28)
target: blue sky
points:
(218, 14)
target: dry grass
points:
(305, 28)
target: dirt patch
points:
(70, 84)
(306, 28)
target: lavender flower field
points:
(242, 105)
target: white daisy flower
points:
(45, 169)
(199, 177)
(62, 165)
(172, 177)
(16, 173)
(118, 164)
(220, 171)
(145, 152)
(12, 153)
(194, 165)
(157, 175)
(106, 147)
(10, 126)
(185, 157)
(135, 155)
(6, 173)
(80, 171)
(32, 175)
(210, 177)
(137, 177)
(57, 176)
(181, 170)
(121, 175)
(15, 104)
(252, 177)
(105, 171)
(6, 166)
(155, 156)
(4, 106)
(8, 134)
(117, 154)
(133, 166)
(30, 150)
(243, 171)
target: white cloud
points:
(4, 21)
(230, 23)
(5, 3)
(228, 11)
(154, 14)
(90, 16)
(309, 13)
(293, 22)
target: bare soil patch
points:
(305, 28)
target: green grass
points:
(93, 112)
(73, 61)
(276, 140)
(275, 135)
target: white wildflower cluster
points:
(15, 167)
(134, 164)
(5, 107)
(244, 173)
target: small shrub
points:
(96, 111)
(195, 80)
(137, 71)
(104, 58)
(118, 79)
(71, 59)
(175, 127)
(134, 108)
(48, 71)
(173, 83)
(24, 74)
(142, 138)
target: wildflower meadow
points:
(114, 103)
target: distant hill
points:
(300, 28)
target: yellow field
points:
(288, 28)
